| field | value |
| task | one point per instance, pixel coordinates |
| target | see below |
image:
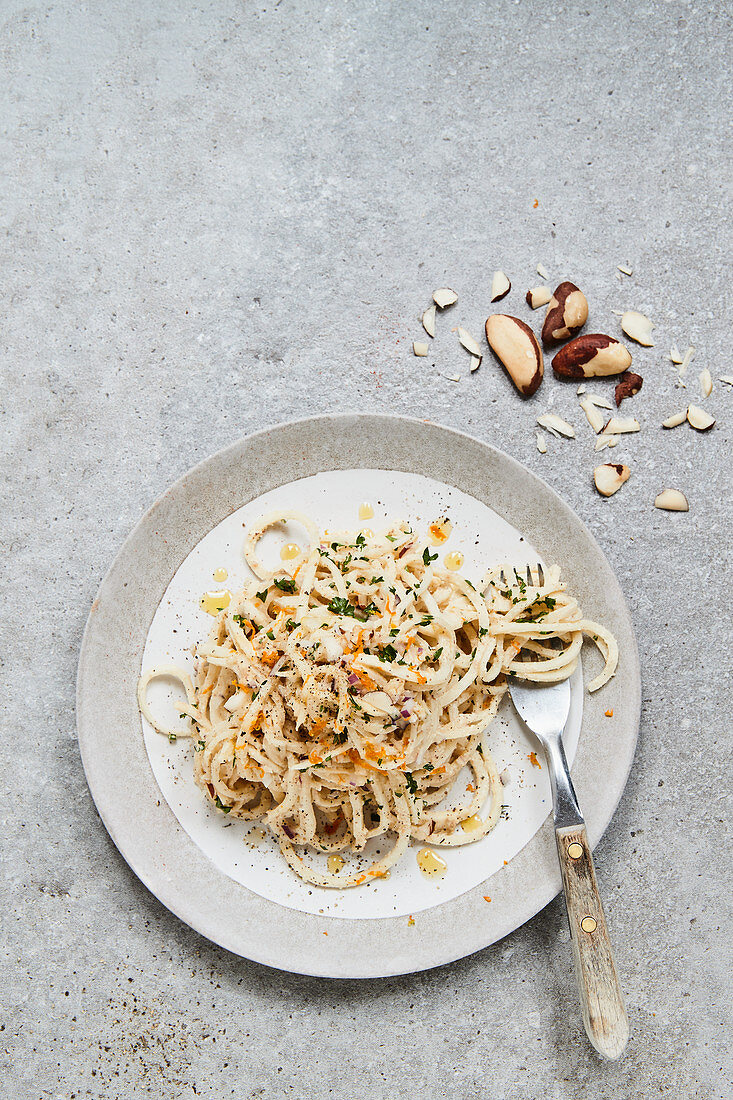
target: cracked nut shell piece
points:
(627, 385)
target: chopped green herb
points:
(285, 584)
(387, 653)
(220, 806)
(339, 605)
(262, 595)
(427, 557)
(411, 783)
(172, 737)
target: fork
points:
(544, 710)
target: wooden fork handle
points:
(601, 999)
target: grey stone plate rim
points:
(121, 782)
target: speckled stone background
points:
(220, 216)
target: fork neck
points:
(564, 800)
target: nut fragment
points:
(675, 420)
(541, 443)
(699, 419)
(419, 349)
(445, 297)
(556, 425)
(637, 327)
(566, 314)
(591, 355)
(538, 296)
(428, 321)
(500, 286)
(628, 385)
(618, 425)
(515, 346)
(706, 382)
(600, 402)
(675, 355)
(624, 270)
(594, 417)
(468, 342)
(672, 500)
(475, 362)
(688, 357)
(541, 272)
(610, 477)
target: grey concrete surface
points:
(219, 216)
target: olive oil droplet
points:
(214, 602)
(440, 531)
(431, 864)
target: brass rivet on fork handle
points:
(588, 924)
(575, 850)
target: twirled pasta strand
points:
(338, 700)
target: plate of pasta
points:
(321, 771)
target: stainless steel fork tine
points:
(540, 575)
(529, 575)
(502, 577)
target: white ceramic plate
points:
(192, 855)
(240, 850)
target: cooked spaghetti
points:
(338, 698)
